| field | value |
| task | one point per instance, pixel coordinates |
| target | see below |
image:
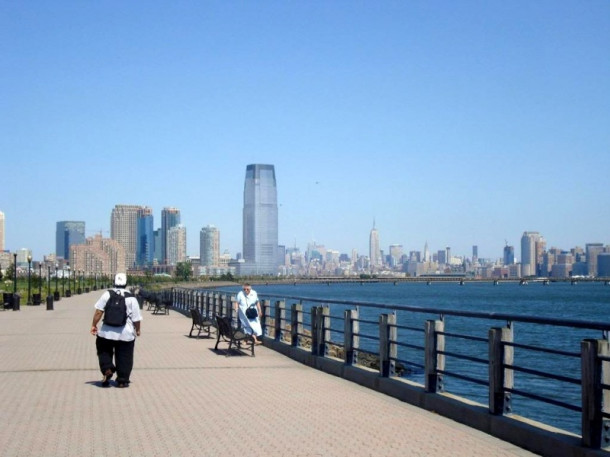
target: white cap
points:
(120, 279)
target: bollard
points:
(49, 302)
(16, 298)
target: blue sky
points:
(455, 123)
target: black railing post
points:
(315, 334)
(595, 399)
(500, 377)
(351, 329)
(387, 346)
(433, 360)
(278, 313)
(296, 323)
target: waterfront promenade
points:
(187, 400)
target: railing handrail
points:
(595, 325)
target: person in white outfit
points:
(115, 345)
(248, 298)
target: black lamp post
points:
(40, 280)
(29, 280)
(69, 293)
(15, 274)
(56, 294)
(49, 296)
(80, 283)
(15, 301)
(95, 279)
(63, 282)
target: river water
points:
(583, 301)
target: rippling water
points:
(583, 301)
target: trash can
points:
(56, 296)
(16, 300)
(49, 302)
(68, 293)
(7, 300)
(36, 299)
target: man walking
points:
(115, 340)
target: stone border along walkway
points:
(187, 400)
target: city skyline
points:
(450, 123)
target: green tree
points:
(184, 271)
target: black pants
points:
(121, 351)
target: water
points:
(584, 301)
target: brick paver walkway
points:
(187, 400)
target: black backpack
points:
(115, 312)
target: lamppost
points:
(49, 296)
(15, 274)
(80, 281)
(39, 283)
(29, 280)
(15, 301)
(56, 294)
(69, 293)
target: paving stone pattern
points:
(187, 400)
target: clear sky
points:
(452, 122)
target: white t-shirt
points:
(128, 331)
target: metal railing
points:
(436, 345)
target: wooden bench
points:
(233, 336)
(200, 323)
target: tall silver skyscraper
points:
(374, 248)
(209, 246)
(260, 239)
(528, 253)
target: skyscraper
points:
(209, 246)
(374, 249)
(509, 255)
(124, 229)
(68, 233)
(176, 245)
(260, 221)
(145, 248)
(2, 241)
(170, 217)
(593, 251)
(528, 253)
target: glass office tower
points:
(145, 248)
(260, 225)
(68, 233)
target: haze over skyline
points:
(455, 123)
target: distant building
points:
(68, 233)
(170, 217)
(593, 250)
(98, 256)
(176, 245)
(509, 255)
(145, 248)
(529, 242)
(375, 258)
(260, 221)
(603, 265)
(124, 230)
(209, 246)
(396, 252)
